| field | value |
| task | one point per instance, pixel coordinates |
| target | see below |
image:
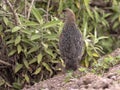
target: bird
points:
(70, 41)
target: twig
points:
(16, 3)
(25, 9)
(48, 9)
(17, 22)
(6, 63)
(29, 11)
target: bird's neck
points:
(70, 20)
(69, 25)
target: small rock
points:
(101, 83)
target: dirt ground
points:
(79, 81)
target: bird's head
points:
(69, 15)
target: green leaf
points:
(26, 63)
(60, 6)
(2, 81)
(12, 52)
(55, 61)
(33, 61)
(88, 8)
(37, 15)
(17, 86)
(97, 17)
(49, 51)
(10, 42)
(95, 55)
(86, 62)
(37, 71)
(5, 20)
(115, 25)
(77, 4)
(26, 31)
(33, 49)
(47, 67)
(82, 69)
(19, 49)
(85, 30)
(1, 28)
(50, 24)
(16, 28)
(27, 41)
(27, 78)
(44, 45)
(87, 43)
(34, 37)
(51, 37)
(18, 67)
(39, 58)
(17, 40)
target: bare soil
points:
(81, 81)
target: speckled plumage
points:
(70, 43)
